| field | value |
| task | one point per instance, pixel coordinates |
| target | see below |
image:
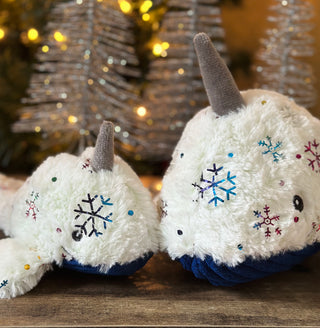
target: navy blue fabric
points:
(223, 275)
(116, 270)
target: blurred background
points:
(67, 65)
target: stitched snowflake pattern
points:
(163, 207)
(316, 226)
(87, 165)
(312, 149)
(4, 283)
(32, 209)
(267, 222)
(270, 148)
(216, 185)
(91, 212)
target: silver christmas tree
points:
(282, 60)
(175, 90)
(88, 71)
(81, 77)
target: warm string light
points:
(160, 49)
(143, 8)
(181, 71)
(72, 119)
(125, 6)
(59, 37)
(146, 5)
(141, 111)
(146, 17)
(2, 33)
(32, 34)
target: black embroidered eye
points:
(179, 232)
(181, 155)
(298, 203)
(77, 235)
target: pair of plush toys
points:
(240, 200)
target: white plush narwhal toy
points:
(89, 213)
(241, 198)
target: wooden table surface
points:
(163, 294)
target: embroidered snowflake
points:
(316, 226)
(312, 150)
(271, 149)
(163, 207)
(4, 283)
(87, 165)
(267, 222)
(91, 215)
(32, 209)
(216, 185)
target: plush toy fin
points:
(21, 268)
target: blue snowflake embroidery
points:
(270, 148)
(91, 215)
(4, 283)
(216, 184)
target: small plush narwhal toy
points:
(241, 198)
(89, 213)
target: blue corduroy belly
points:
(116, 270)
(223, 275)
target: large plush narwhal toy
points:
(90, 213)
(241, 198)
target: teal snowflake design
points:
(220, 184)
(271, 149)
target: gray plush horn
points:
(104, 150)
(223, 94)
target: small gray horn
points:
(104, 150)
(223, 94)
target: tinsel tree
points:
(282, 60)
(80, 74)
(89, 70)
(18, 44)
(175, 90)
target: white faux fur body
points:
(235, 182)
(65, 210)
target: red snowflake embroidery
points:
(267, 221)
(312, 149)
(316, 226)
(32, 209)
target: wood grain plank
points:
(163, 294)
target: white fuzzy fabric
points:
(8, 188)
(52, 219)
(21, 268)
(226, 231)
